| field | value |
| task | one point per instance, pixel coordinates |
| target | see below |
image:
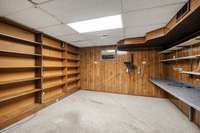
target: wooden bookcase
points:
(35, 70)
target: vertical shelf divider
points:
(39, 72)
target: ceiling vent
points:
(183, 11)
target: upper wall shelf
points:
(20, 67)
(8, 37)
(182, 58)
(19, 53)
(191, 73)
(190, 42)
(54, 48)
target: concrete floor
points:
(94, 112)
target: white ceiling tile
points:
(77, 10)
(140, 31)
(72, 38)
(33, 17)
(103, 34)
(12, 6)
(150, 16)
(58, 30)
(84, 44)
(107, 41)
(133, 5)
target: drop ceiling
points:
(52, 17)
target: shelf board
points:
(13, 96)
(19, 53)
(9, 37)
(190, 42)
(54, 66)
(54, 76)
(53, 57)
(191, 73)
(73, 66)
(72, 73)
(54, 48)
(53, 85)
(19, 67)
(73, 79)
(182, 58)
(70, 59)
(18, 81)
(72, 52)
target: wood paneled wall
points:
(35, 71)
(111, 75)
(186, 65)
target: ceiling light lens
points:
(99, 24)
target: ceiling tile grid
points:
(52, 17)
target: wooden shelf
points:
(19, 53)
(73, 86)
(182, 58)
(70, 59)
(72, 73)
(53, 85)
(73, 66)
(190, 42)
(13, 96)
(9, 37)
(19, 67)
(74, 79)
(53, 57)
(54, 48)
(191, 73)
(54, 76)
(73, 52)
(54, 66)
(18, 81)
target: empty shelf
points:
(191, 73)
(18, 81)
(19, 67)
(54, 48)
(9, 37)
(53, 76)
(182, 58)
(20, 94)
(53, 85)
(19, 53)
(53, 57)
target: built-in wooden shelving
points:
(53, 57)
(13, 38)
(19, 53)
(18, 81)
(53, 85)
(73, 79)
(20, 94)
(54, 76)
(191, 73)
(182, 58)
(19, 67)
(54, 48)
(188, 43)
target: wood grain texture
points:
(26, 89)
(111, 75)
(187, 65)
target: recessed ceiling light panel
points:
(98, 24)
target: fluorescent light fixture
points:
(98, 24)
